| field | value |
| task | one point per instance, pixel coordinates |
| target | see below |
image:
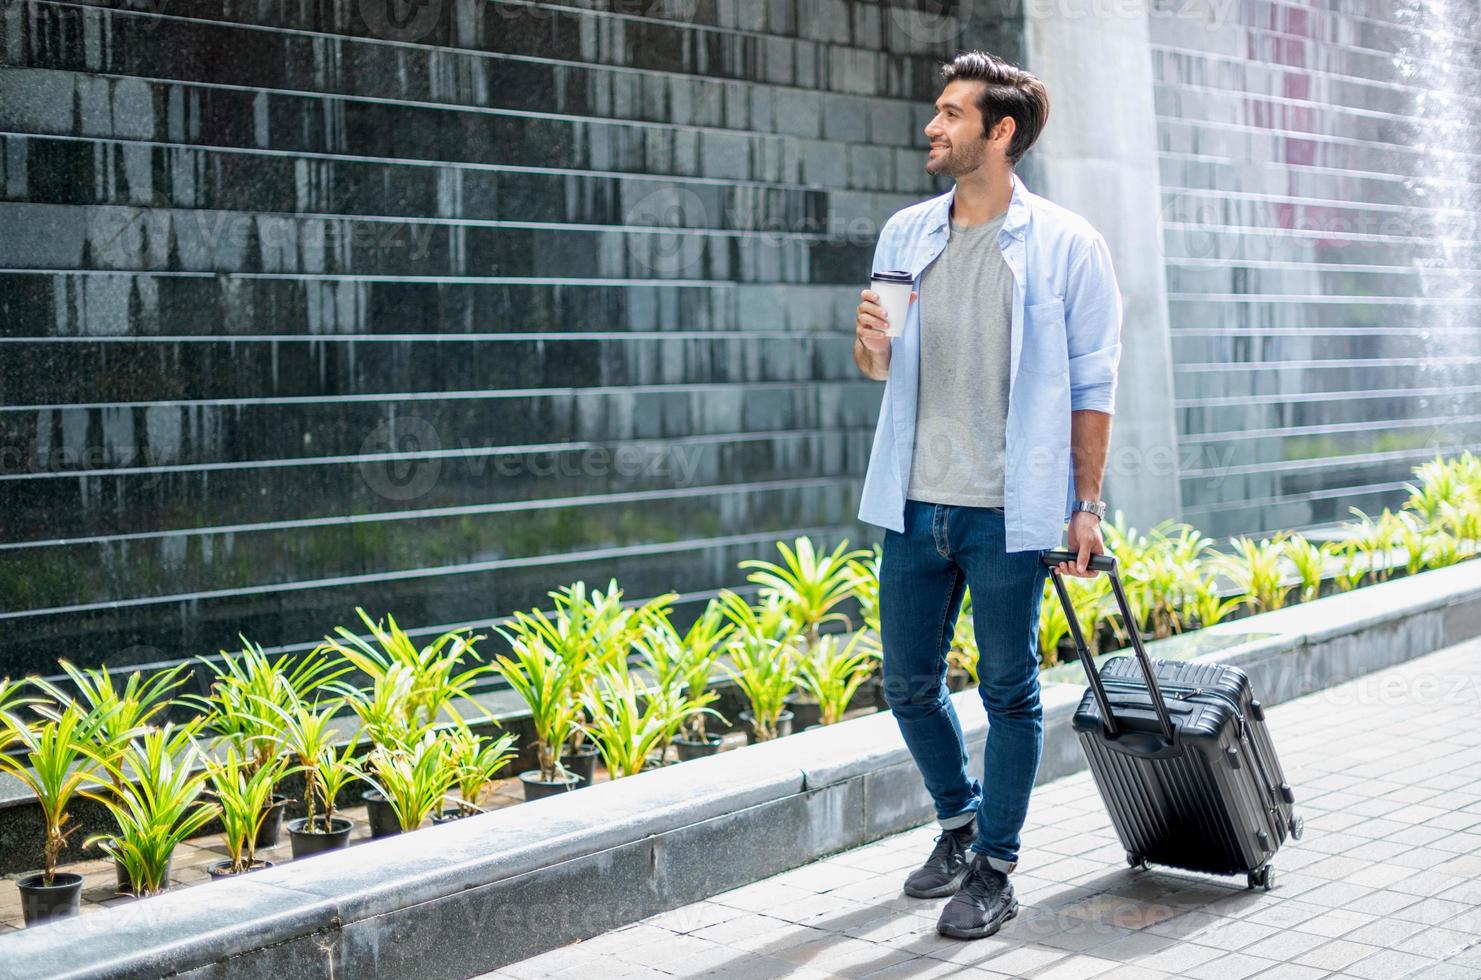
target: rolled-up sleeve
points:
(1093, 328)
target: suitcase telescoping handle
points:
(1107, 564)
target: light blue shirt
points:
(1064, 348)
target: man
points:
(992, 433)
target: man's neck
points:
(981, 196)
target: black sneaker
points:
(981, 906)
(946, 868)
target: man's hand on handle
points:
(1085, 540)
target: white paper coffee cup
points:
(894, 288)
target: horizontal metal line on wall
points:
(1204, 437)
(596, 554)
(1274, 67)
(1296, 398)
(1337, 18)
(594, 13)
(1320, 364)
(491, 223)
(589, 121)
(442, 395)
(1324, 462)
(1356, 331)
(359, 458)
(366, 277)
(820, 333)
(1419, 152)
(1291, 498)
(431, 513)
(1283, 166)
(1246, 298)
(449, 164)
(1320, 234)
(1327, 109)
(1347, 204)
(1281, 266)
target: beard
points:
(957, 160)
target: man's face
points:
(958, 144)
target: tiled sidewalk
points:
(1386, 882)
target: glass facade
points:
(1321, 178)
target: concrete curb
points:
(468, 897)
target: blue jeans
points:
(923, 570)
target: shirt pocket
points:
(1045, 350)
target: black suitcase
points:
(1181, 755)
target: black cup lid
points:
(894, 275)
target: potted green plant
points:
(475, 761)
(542, 680)
(438, 670)
(1255, 568)
(695, 657)
(54, 765)
(809, 584)
(832, 671)
(128, 709)
(240, 683)
(766, 672)
(414, 779)
(242, 794)
(588, 632)
(155, 800)
(307, 732)
(629, 723)
(386, 718)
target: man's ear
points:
(1003, 130)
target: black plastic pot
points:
(126, 884)
(306, 842)
(783, 725)
(270, 832)
(448, 816)
(583, 763)
(805, 713)
(44, 903)
(537, 788)
(380, 815)
(694, 749)
(222, 869)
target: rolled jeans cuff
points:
(960, 820)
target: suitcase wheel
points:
(1136, 861)
(1262, 878)
(1297, 826)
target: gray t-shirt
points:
(966, 298)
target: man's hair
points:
(1009, 91)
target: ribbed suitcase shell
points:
(1211, 797)
(1219, 801)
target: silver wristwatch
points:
(1096, 507)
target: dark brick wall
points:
(302, 308)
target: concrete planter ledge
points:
(467, 897)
